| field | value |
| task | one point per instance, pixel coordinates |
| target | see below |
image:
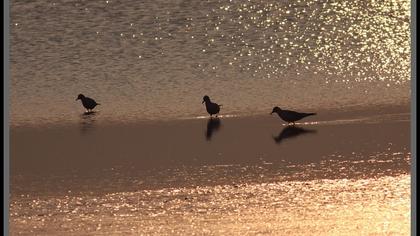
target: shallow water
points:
(339, 195)
(250, 176)
(317, 207)
(156, 59)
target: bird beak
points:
(202, 102)
(271, 113)
(77, 99)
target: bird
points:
(211, 107)
(290, 116)
(87, 102)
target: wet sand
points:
(334, 173)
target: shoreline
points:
(328, 114)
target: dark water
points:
(156, 59)
(253, 176)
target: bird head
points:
(81, 96)
(206, 99)
(275, 109)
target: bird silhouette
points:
(87, 102)
(290, 116)
(290, 132)
(211, 107)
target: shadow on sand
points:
(213, 124)
(291, 131)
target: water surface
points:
(157, 59)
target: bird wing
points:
(214, 108)
(91, 101)
(291, 116)
(292, 113)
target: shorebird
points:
(290, 116)
(88, 103)
(211, 107)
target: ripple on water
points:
(157, 60)
(337, 206)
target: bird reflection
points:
(213, 125)
(87, 120)
(290, 132)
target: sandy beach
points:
(249, 174)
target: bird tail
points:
(311, 114)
